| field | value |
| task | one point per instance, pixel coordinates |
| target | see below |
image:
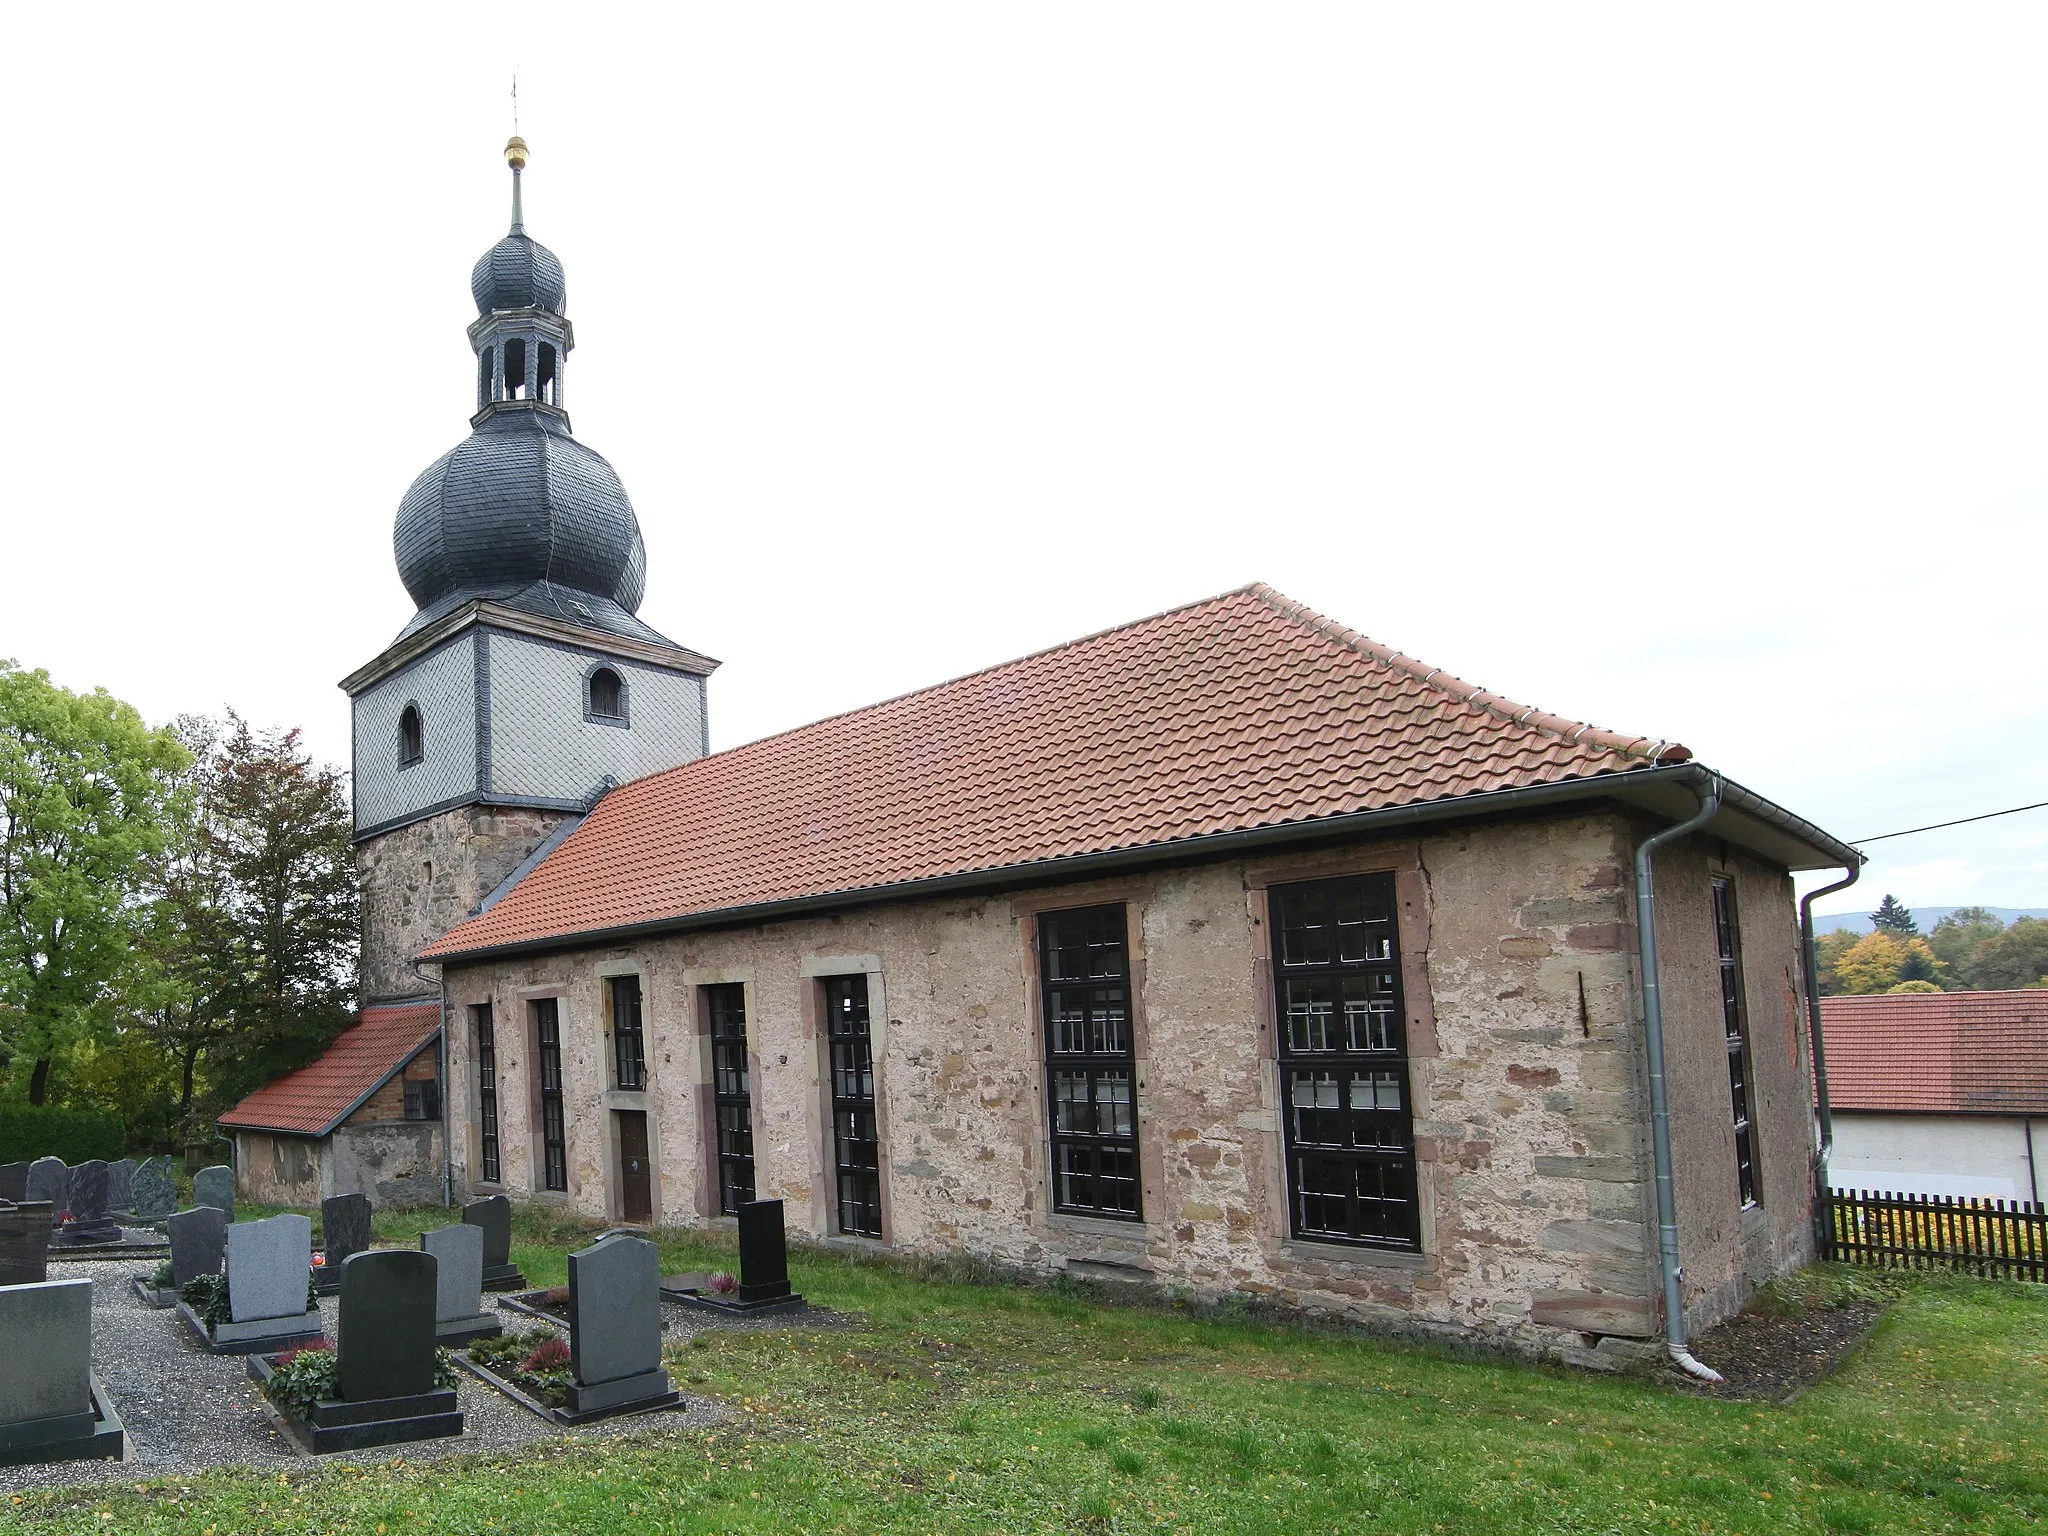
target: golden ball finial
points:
(515, 153)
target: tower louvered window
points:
(731, 1094)
(487, 1092)
(856, 1132)
(1344, 1062)
(1735, 1028)
(1091, 1066)
(547, 1024)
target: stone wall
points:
(278, 1170)
(1527, 1080)
(420, 880)
(394, 1162)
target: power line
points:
(1858, 842)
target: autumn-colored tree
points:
(1879, 961)
(87, 795)
(1913, 986)
(1893, 916)
(1828, 950)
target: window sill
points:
(852, 1242)
(1346, 1253)
(1134, 1231)
(625, 1098)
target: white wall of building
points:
(443, 685)
(1981, 1155)
(541, 743)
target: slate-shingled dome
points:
(520, 501)
(518, 273)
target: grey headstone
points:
(459, 1251)
(121, 1185)
(215, 1186)
(155, 1192)
(45, 1368)
(344, 1227)
(268, 1264)
(494, 1215)
(615, 1310)
(25, 1244)
(386, 1325)
(48, 1179)
(87, 1202)
(199, 1242)
(14, 1182)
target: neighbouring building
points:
(1226, 950)
(1939, 1093)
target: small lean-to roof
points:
(361, 1059)
(1956, 1053)
(1240, 712)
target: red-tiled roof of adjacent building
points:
(359, 1061)
(1243, 711)
(1973, 1053)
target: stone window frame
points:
(1136, 897)
(623, 720)
(645, 1099)
(529, 1035)
(749, 1043)
(693, 980)
(1088, 1063)
(1404, 861)
(815, 969)
(473, 1124)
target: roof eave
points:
(1668, 791)
(353, 1105)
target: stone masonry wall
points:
(1527, 1076)
(420, 880)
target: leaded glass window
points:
(547, 1022)
(1091, 1068)
(731, 1094)
(487, 1090)
(1735, 1029)
(856, 1131)
(629, 1045)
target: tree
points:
(2018, 957)
(1828, 950)
(1893, 916)
(1912, 986)
(1956, 938)
(1880, 961)
(87, 793)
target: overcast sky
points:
(1683, 370)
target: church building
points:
(1226, 950)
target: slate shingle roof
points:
(1976, 1053)
(1242, 711)
(314, 1099)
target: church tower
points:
(524, 686)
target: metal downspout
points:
(1822, 1107)
(1660, 1098)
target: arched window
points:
(607, 696)
(411, 741)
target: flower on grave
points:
(65, 1218)
(550, 1354)
(319, 1261)
(722, 1283)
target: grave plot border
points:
(107, 1441)
(250, 1338)
(523, 1302)
(466, 1330)
(568, 1417)
(343, 1426)
(697, 1301)
(160, 1298)
(131, 1246)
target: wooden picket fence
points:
(2005, 1239)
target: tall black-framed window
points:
(629, 1041)
(1344, 1062)
(856, 1133)
(547, 1028)
(412, 740)
(732, 1096)
(486, 1091)
(1091, 1068)
(1735, 1026)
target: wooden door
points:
(636, 1177)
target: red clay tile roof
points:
(1977, 1053)
(317, 1097)
(1242, 711)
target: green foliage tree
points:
(1881, 961)
(1893, 916)
(87, 794)
(1828, 949)
(1956, 938)
(2017, 957)
(1913, 986)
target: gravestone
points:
(121, 1185)
(764, 1254)
(494, 1215)
(14, 1182)
(267, 1265)
(51, 1408)
(615, 1330)
(155, 1192)
(199, 1242)
(215, 1186)
(345, 1232)
(48, 1179)
(25, 1244)
(459, 1314)
(90, 1223)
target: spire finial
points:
(515, 156)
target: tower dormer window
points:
(605, 697)
(411, 739)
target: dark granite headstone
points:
(155, 1192)
(615, 1327)
(90, 1222)
(386, 1325)
(25, 1244)
(48, 1179)
(494, 1215)
(14, 1182)
(764, 1255)
(44, 1369)
(121, 1185)
(199, 1242)
(345, 1227)
(215, 1186)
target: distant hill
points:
(1926, 917)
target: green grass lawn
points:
(951, 1406)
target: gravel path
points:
(186, 1409)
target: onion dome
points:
(518, 272)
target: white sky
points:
(1681, 370)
